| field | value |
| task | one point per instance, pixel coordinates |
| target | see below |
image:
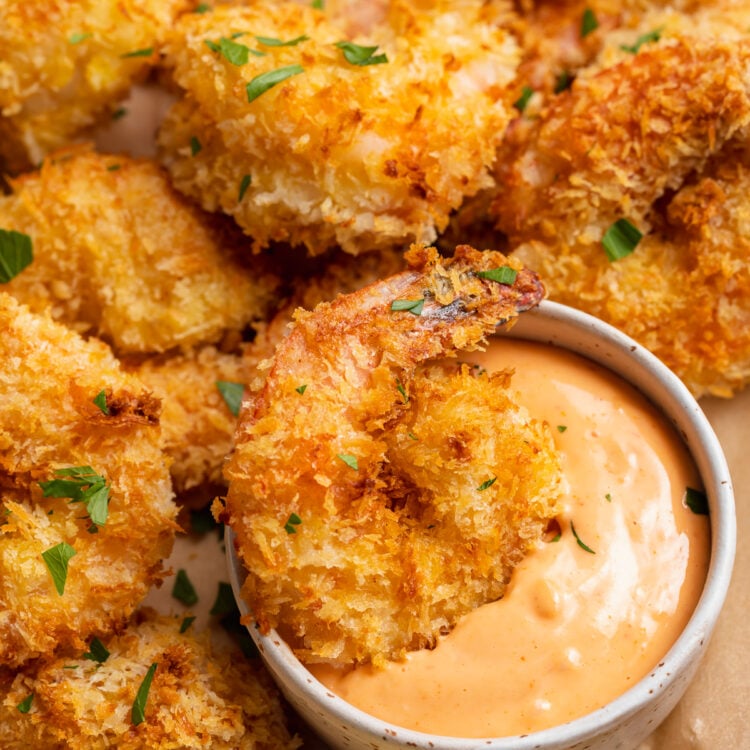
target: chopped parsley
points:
(696, 501)
(414, 306)
(82, 485)
(317, 4)
(563, 81)
(97, 652)
(608, 497)
(202, 8)
(25, 705)
(526, 93)
(651, 36)
(195, 146)
(270, 41)
(234, 52)
(183, 590)
(101, 401)
(292, 521)
(562, 427)
(411, 436)
(244, 185)
(145, 52)
(186, 623)
(356, 54)
(301, 389)
(261, 83)
(56, 559)
(589, 22)
(224, 602)
(232, 395)
(119, 113)
(15, 254)
(581, 544)
(503, 275)
(138, 713)
(400, 388)
(349, 460)
(78, 37)
(486, 484)
(620, 240)
(113, 167)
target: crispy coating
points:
(385, 466)
(119, 254)
(48, 421)
(685, 291)
(197, 425)
(64, 67)
(363, 156)
(200, 697)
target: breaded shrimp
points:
(361, 155)
(375, 502)
(617, 141)
(50, 423)
(66, 64)
(119, 254)
(685, 290)
(199, 697)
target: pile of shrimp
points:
(375, 500)
(257, 247)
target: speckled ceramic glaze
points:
(628, 720)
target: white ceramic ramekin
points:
(628, 720)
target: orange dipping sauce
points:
(577, 627)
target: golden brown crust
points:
(389, 554)
(49, 421)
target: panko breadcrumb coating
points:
(199, 697)
(49, 378)
(363, 156)
(375, 503)
(65, 65)
(119, 254)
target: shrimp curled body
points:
(376, 498)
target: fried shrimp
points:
(199, 697)
(78, 479)
(306, 141)
(119, 254)
(376, 501)
(65, 66)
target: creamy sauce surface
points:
(575, 628)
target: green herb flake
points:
(56, 559)
(562, 427)
(620, 240)
(186, 623)
(25, 705)
(195, 146)
(356, 54)
(244, 185)
(581, 544)
(101, 401)
(82, 485)
(503, 275)
(608, 497)
(696, 501)
(113, 167)
(70, 666)
(349, 460)
(183, 590)
(270, 41)
(97, 652)
(301, 389)
(563, 81)
(15, 254)
(265, 81)
(556, 537)
(224, 602)
(293, 521)
(138, 713)
(146, 52)
(233, 52)
(119, 113)
(318, 4)
(526, 93)
(232, 395)
(202, 8)
(651, 36)
(589, 23)
(78, 37)
(486, 484)
(412, 436)
(400, 388)
(414, 306)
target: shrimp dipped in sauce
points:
(378, 493)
